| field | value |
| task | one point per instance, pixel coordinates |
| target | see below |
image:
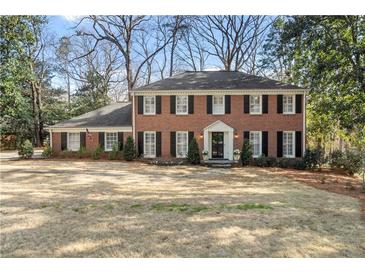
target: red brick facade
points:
(237, 119)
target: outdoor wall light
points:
(235, 135)
(201, 136)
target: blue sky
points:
(61, 25)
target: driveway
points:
(116, 209)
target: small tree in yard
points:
(193, 152)
(246, 152)
(25, 150)
(129, 151)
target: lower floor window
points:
(111, 139)
(150, 144)
(181, 144)
(255, 140)
(288, 144)
(73, 141)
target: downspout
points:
(50, 138)
(133, 119)
(304, 122)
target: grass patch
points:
(136, 206)
(252, 206)
(178, 207)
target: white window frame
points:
(187, 105)
(293, 102)
(214, 111)
(293, 144)
(260, 143)
(260, 105)
(68, 141)
(153, 111)
(105, 140)
(153, 154)
(186, 133)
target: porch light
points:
(236, 135)
(201, 136)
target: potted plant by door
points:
(205, 155)
(236, 154)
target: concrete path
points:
(9, 155)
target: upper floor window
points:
(111, 139)
(181, 104)
(288, 144)
(255, 140)
(149, 105)
(181, 144)
(149, 144)
(73, 141)
(288, 104)
(255, 104)
(218, 104)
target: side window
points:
(149, 144)
(111, 138)
(73, 141)
(218, 104)
(288, 104)
(288, 144)
(181, 144)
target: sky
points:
(62, 25)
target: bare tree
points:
(231, 38)
(120, 31)
(63, 53)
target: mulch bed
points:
(329, 180)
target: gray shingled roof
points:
(113, 115)
(213, 80)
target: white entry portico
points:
(228, 133)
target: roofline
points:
(219, 91)
(90, 129)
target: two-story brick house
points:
(220, 109)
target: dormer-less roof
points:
(215, 80)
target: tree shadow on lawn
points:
(74, 224)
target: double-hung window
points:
(288, 144)
(111, 139)
(181, 104)
(288, 104)
(149, 144)
(255, 104)
(255, 140)
(181, 144)
(73, 141)
(218, 104)
(149, 105)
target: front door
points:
(217, 144)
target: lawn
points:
(116, 209)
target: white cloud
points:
(72, 18)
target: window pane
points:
(255, 143)
(110, 140)
(74, 141)
(181, 144)
(288, 144)
(182, 104)
(150, 146)
(288, 104)
(218, 106)
(149, 104)
(255, 104)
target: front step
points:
(219, 163)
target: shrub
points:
(336, 158)
(291, 163)
(299, 164)
(193, 152)
(66, 153)
(129, 151)
(81, 152)
(47, 151)
(97, 152)
(246, 153)
(313, 158)
(113, 155)
(352, 162)
(25, 150)
(271, 161)
(260, 161)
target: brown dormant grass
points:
(115, 209)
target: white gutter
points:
(133, 120)
(304, 122)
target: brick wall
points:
(166, 122)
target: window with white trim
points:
(288, 144)
(149, 144)
(111, 139)
(181, 104)
(255, 141)
(288, 104)
(218, 104)
(181, 144)
(255, 104)
(73, 141)
(149, 105)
